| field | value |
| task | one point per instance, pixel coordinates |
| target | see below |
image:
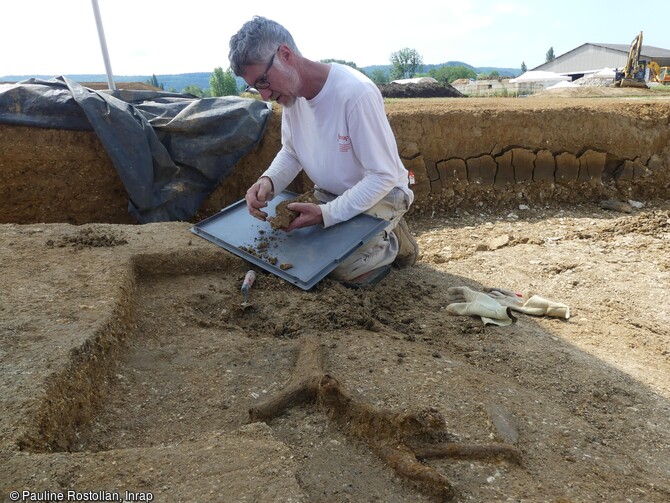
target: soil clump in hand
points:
(283, 216)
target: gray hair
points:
(255, 43)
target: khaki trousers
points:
(382, 249)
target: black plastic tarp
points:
(170, 150)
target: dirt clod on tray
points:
(283, 216)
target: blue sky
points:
(165, 36)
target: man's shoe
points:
(408, 248)
(369, 278)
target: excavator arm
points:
(634, 72)
(658, 73)
(633, 57)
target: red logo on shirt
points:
(344, 143)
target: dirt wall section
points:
(464, 153)
(505, 152)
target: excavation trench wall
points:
(526, 151)
(464, 153)
(71, 396)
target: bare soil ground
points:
(587, 397)
(128, 363)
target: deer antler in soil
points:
(399, 438)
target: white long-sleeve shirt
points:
(343, 141)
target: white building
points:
(589, 58)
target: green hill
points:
(175, 82)
(179, 81)
(503, 72)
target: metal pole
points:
(103, 45)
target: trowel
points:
(249, 279)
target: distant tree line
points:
(220, 84)
(153, 81)
(406, 63)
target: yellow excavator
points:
(660, 74)
(634, 73)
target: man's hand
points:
(257, 197)
(308, 214)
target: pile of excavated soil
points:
(424, 90)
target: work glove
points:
(466, 302)
(529, 303)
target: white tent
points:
(562, 84)
(417, 80)
(538, 76)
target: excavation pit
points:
(121, 369)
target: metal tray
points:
(313, 252)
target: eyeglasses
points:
(262, 82)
